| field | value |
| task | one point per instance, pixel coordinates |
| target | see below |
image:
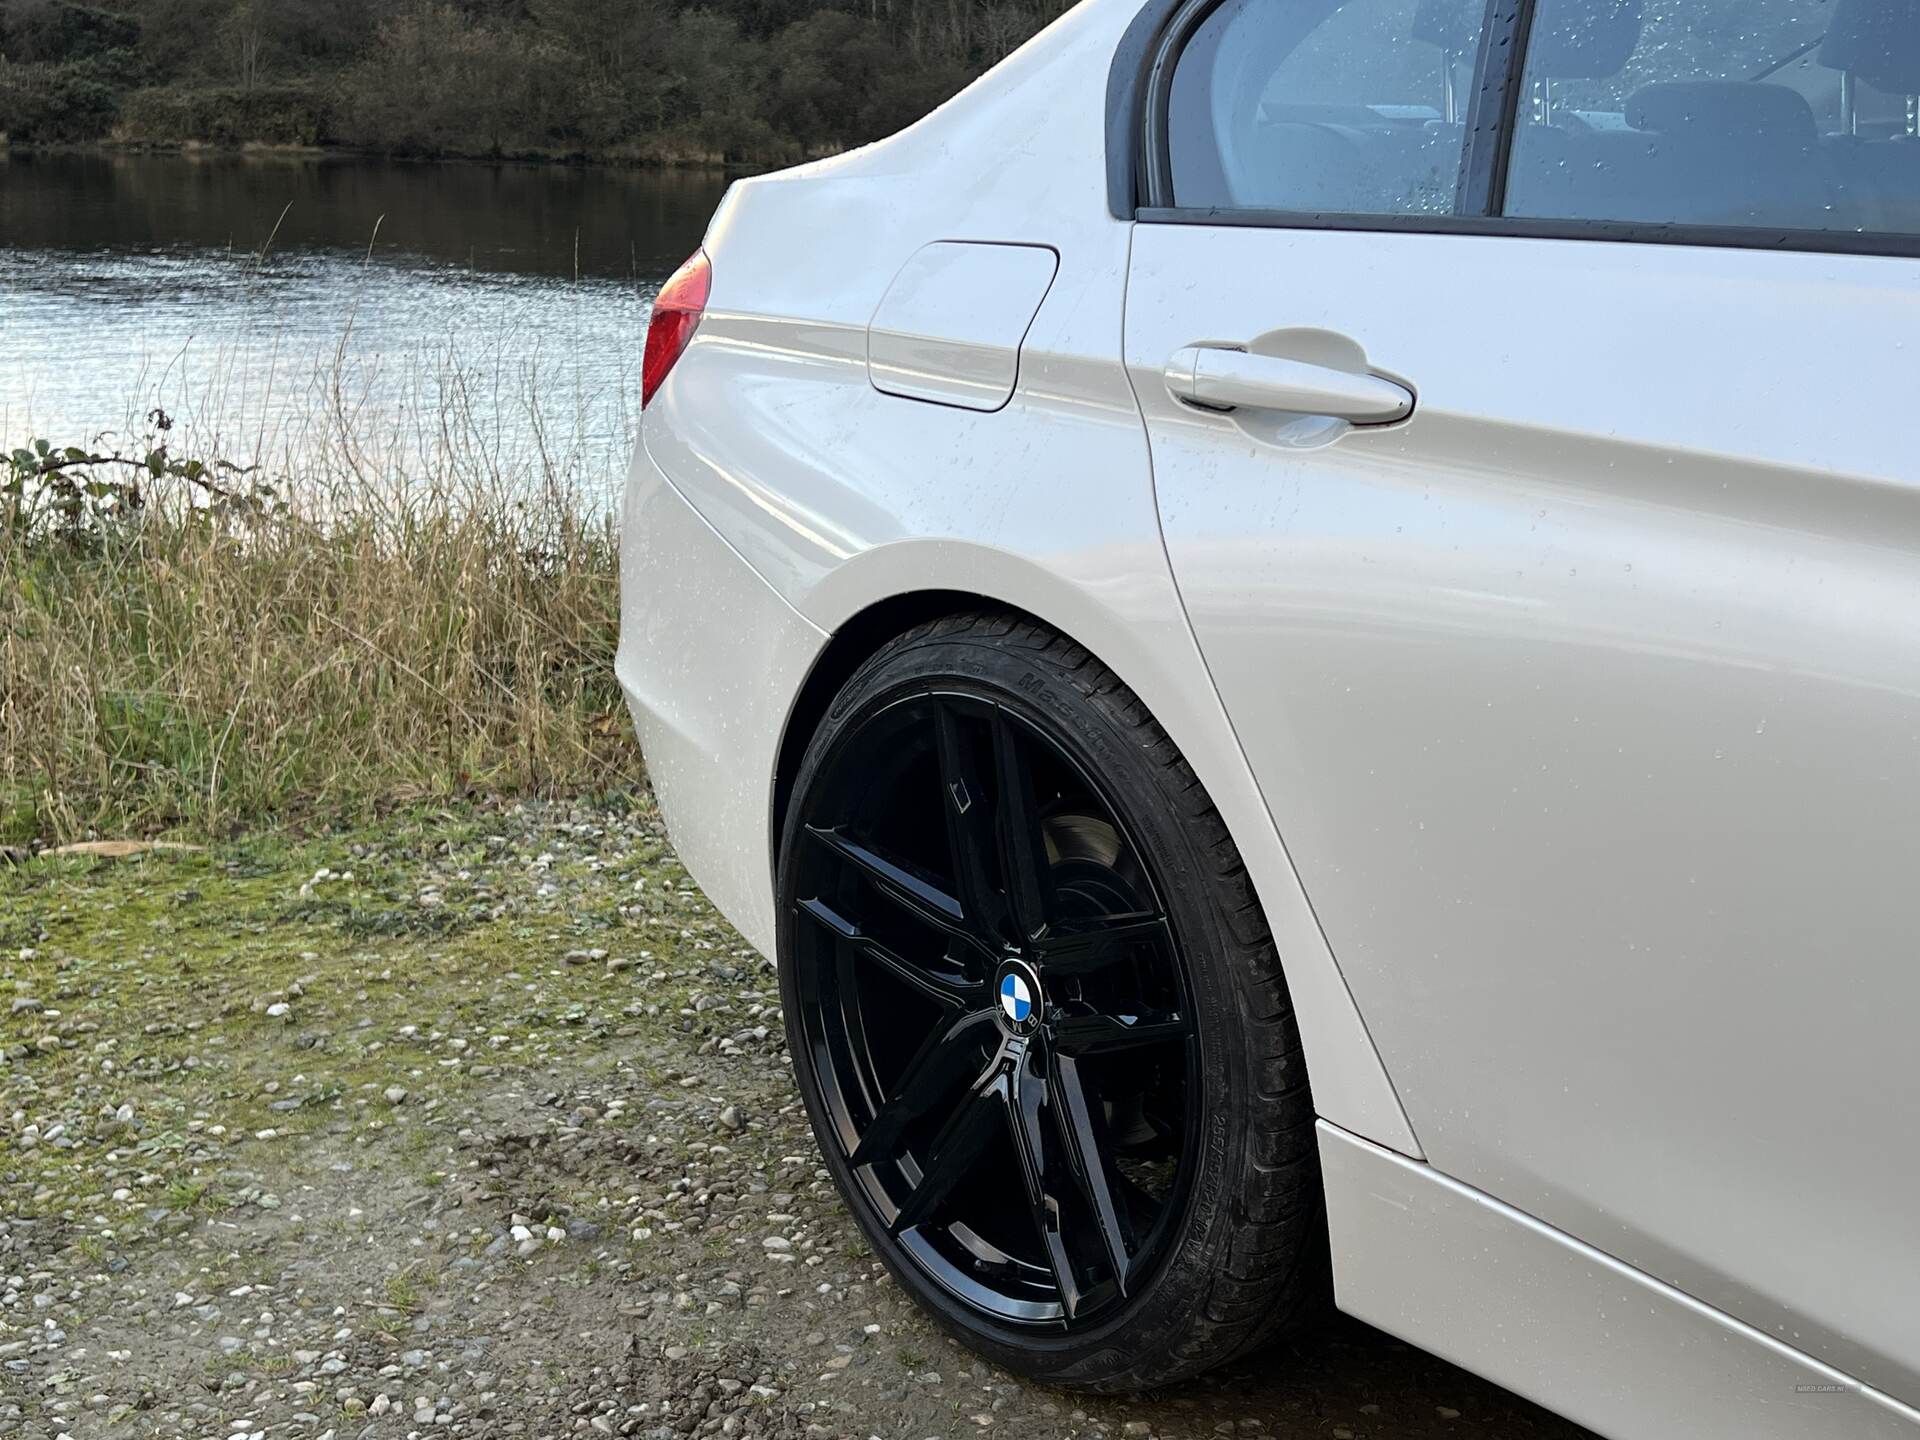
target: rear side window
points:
(1353, 107)
(1769, 114)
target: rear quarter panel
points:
(841, 496)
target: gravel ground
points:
(480, 1123)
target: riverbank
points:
(669, 158)
(581, 79)
(479, 1118)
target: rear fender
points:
(1150, 648)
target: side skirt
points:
(1472, 1280)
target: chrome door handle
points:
(1222, 379)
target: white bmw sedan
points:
(1299, 623)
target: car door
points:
(1532, 453)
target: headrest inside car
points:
(1877, 40)
(1587, 41)
(1763, 115)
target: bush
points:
(58, 104)
(289, 113)
(57, 31)
(436, 84)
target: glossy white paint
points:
(842, 496)
(1585, 696)
(950, 325)
(1591, 711)
(1478, 1283)
(706, 712)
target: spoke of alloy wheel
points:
(1090, 1033)
(1023, 848)
(1088, 1154)
(948, 992)
(1041, 1167)
(953, 1152)
(1090, 945)
(967, 801)
(911, 890)
(950, 1057)
(848, 997)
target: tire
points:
(986, 805)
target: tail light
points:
(676, 312)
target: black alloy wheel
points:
(1007, 1049)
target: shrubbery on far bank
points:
(746, 81)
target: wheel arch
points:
(1351, 1086)
(852, 643)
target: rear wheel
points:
(1037, 1019)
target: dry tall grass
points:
(378, 636)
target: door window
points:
(1773, 114)
(1328, 106)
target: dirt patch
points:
(480, 1123)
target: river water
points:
(432, 314)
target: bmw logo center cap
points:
(1019, 994)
